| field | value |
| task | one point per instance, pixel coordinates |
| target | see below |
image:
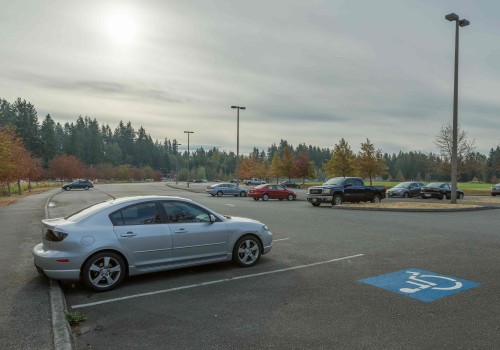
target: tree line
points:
(95, 150)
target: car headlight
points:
(326, 191)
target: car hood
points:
(399, 189)
(239, 220)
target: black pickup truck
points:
(345, 189)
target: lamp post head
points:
(451, 17)
(188, 132)
(463, 23)
(238, 107)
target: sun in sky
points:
(122, 27)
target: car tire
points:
(442, 196)
(243, 194)
(337, 200)
(265, 197)
(86, 188)
(101, 278)
(290, 197)
(255, 198)
(316, 204)
(247, 251)
(460, 196)
(219, 193)
(406, 195)
(67, 188)
(376, 199)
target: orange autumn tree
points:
(66, 167)
(15, 158)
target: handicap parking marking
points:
(419, 284)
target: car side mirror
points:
(212, 218)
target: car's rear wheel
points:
(265, 197)
(243, 194)
(104, 271)
(337, 199)
(86, 188)
(290, 197)
(376, 199)
(247, 251)
(219, 193)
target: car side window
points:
(181, 212)
(139, 214)
(348, 182)
(359, 183)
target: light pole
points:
(454, 166)
(238, 143)
(188, 132)
(176, 145)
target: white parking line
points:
(79, 306)
(230, 205)
(281, 239)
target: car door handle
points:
(129, 234)
(181, 230)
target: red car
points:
(271, 192)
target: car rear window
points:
(79, 215)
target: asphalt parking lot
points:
(307, 293)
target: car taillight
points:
(54, 236)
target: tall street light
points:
(176, 145)
(238, 143)
(188, 132)
(454, 166)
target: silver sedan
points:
(135, 235)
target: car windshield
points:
(87, 211)
(402, 185)
(337, 181)
(260, 186)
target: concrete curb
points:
(60, 326)
(415, 210)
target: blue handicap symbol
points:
(419, 284)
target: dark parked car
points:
(439, 190)
(267, 192)
(405, 190)
(226, 189)
(338, 190)
(85, 184)
(495, 190)
(289, 184)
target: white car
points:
(135, 235)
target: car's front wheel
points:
(104, 271)
(247, 251)
(67, 188)
(86, 188)
(265, 197)
(290, 197)
(337, 199)
(219, 193)
(376, 199)
(406, 195)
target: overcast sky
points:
(308, 71)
